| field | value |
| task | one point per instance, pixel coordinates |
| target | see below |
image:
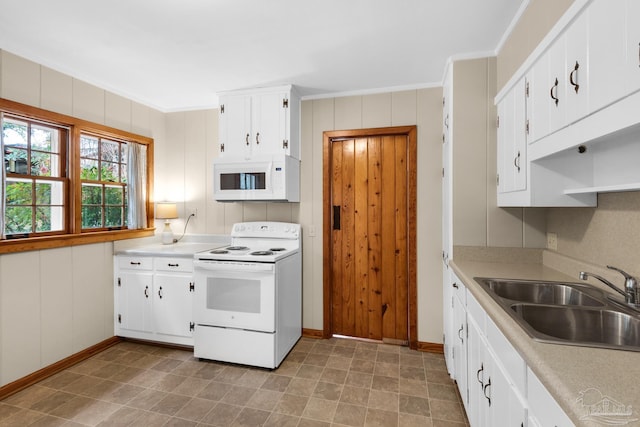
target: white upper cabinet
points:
(512, 143)
(633, 45)
(260, 123)
(580, 113)
(607, 52)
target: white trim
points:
(374, 91)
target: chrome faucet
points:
(631, 292)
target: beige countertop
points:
(182, 249)
(565, 370)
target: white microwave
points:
(275, 178)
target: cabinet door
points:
(576, 72)
(539, 91)
(460, 347)
(633, 45)
(270, 125)
(173, 301)
(235, 126)
(557, 85)
(505, 407)
(477, 375)
(134, 307)
(512, 144)
(607, 52)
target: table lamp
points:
(166, 211)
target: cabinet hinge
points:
(285, 103)
(443, 98)
(222, 109)
(192, 326)
(526, 127)
(443, 172)
(285, 143)
(222, 148)
(119, 282)
(498, 121)
(119, 318)
(498, 180)
(526, 89)
(192, 287)
(443, 138)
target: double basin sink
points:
(566, 313)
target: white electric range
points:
(248, 295)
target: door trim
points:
(412, 150)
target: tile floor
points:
(336, 382)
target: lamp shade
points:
(166, 210)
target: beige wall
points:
(54, 303)
(539, 17)
(477, 221)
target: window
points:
(35, 168)
(66, 181)
(103, 171)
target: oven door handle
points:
(233, 266)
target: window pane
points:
(43, 138)
(43, 193)
(91, 217)
(88, 146)
(89, 169)
(110, 172)
(114, 216)
(91, 194)
(18, 219)
(18, 192)
(15, 160)
(110, 151)
(113, 195)
(14, 133)
(40, 163)
(49, 218)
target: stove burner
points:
(219, 252)
(237, 248)
(261, 253)
(277, 249)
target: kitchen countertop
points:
(181, 249)
(565, 370)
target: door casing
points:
(328, 136)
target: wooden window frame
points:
(73, 205)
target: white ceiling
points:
(177, 54)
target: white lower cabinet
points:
(495, 399)
(154, 298)
(496, 386)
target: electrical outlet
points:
(552, 241)
(312, 231)
(194, 212)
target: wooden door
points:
(369, 197)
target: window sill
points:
(50, 242)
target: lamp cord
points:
(185, 229)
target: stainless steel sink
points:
(543, 292)
(566, 313)
(581, 326)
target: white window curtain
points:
(137, 185)
(3, 178)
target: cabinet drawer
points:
(135, 262)
(173, 264)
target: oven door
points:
(235, 295)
